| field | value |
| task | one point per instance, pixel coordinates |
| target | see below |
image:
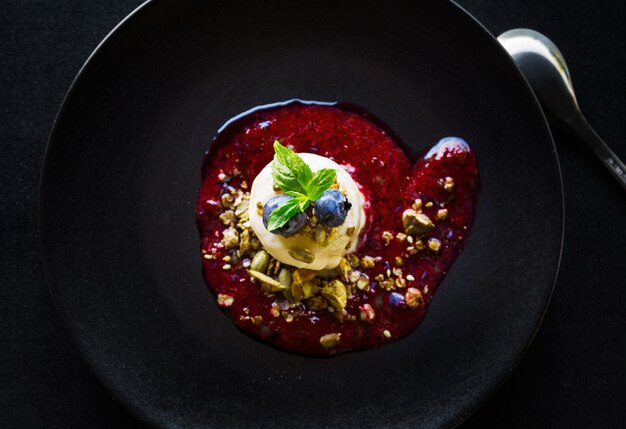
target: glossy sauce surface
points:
(390, 185)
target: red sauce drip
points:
(389, 183)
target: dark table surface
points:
(574, 373)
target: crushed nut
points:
(399, 262)
(226, 267)
(366, 313)
(353, 260)
(410, 278)
(413, 298)
(224, 300)
(227, 217)
(367, 262)
(330, 341)
(230, 238)
(336, 294)
(416, 223)
(317, 303)
(387, 237)
(442, 214)
(417, 204)
(257, 320)
(448, 184)
(434, 245)
(363, 282)
(386, 333)
(401, 236)
(350, 231)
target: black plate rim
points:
(137, 411)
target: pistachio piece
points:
(227, 217)
(260, 262)
(318, 303)
(336, 294)
(304, 290)
(416, 223)
(224, 300)
(366, 313)
(330, 341)
(363, 282)
(302, 255)
(367, 262)
(434, 245)
(413, 298)
(230, 238)
(271, 284)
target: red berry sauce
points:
(446, 181)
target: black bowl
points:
(123, 169)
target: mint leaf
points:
(296, 179)
(321, 181)
(289, 171)
(281, 215)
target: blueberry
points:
(292, 226)
(332, 208)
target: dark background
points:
(574, 373)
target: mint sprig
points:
(296, 179)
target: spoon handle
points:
(602, 151)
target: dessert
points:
(319, 236)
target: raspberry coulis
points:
(389, 183)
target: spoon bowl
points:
(544, 67)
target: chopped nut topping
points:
(207, 256)
(259, 208)
(230, 238)
(442, 214)
(387, 237)
(223, 177)
(363, 282)
(448, 184)
(410, 278)
(227, 200)
(366, 313)
(330, 341)
(350, 231)
(257, 320)
(305, 290)
(386, 333)
(336, 294)
(353, 260)
(397, 271)
(429, 204)
(416, 223)
(401, 236)
(409, 239)
(317, 303)
(417, 204)
(434, 245)
(367, 262)
(399, 261)
(413, 298)
(226, 267)
(224, 300)
(275, 310)
(227, 217)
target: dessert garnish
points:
(339, 243)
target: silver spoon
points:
(544, 67)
